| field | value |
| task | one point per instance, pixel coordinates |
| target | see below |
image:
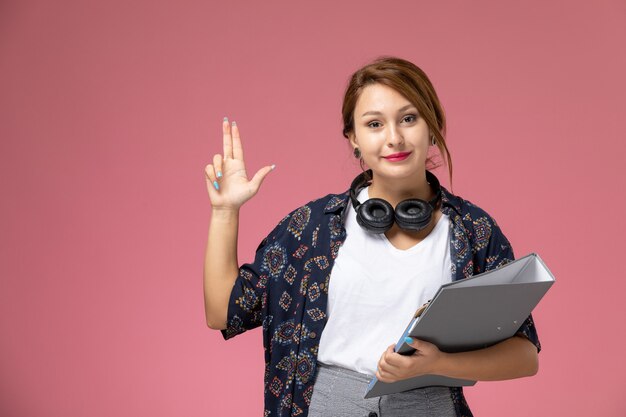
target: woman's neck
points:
(395, 190)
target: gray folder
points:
(473, 313)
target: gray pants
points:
(338, 392)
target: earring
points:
(357, 153)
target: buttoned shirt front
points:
(285, 290)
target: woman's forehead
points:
(378, 98)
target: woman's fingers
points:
(233, 149)
(209, 173)
(228, 141)
(236, 143)
(218, 166)
(381, 362)
(232, 141)
(386, 363)
(260, 176)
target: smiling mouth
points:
(397, 156)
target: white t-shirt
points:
(375, 289)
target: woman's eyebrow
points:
(377, 113)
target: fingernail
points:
(225, 118)
(273, 166)
(408, 340)
(216, 185)
(234, 123)
(219, 174)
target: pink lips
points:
(397, 156)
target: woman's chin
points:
(398, 171)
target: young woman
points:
(334, 283)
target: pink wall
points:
(110, 110)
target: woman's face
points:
(387, 124)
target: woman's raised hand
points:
(226, 179)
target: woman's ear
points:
(352, 139)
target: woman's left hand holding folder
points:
(394, 367)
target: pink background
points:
(109, 112)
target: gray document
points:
(471, 314)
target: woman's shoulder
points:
(312, 212)
(479, 225)
(466, 209)
(490, 248)
(328, 203)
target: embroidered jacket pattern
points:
(285, 290)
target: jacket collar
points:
(339, 203)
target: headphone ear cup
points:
(413, 214)
(375, 215)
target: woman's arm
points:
(220, 266)
(228, 188)
(514, 357)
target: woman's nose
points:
(394, 136)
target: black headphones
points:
(377, 215)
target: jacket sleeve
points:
(249, 296)
(498, 252)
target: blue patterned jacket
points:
(285, 289)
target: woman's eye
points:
(374, 124)
(410, 118)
